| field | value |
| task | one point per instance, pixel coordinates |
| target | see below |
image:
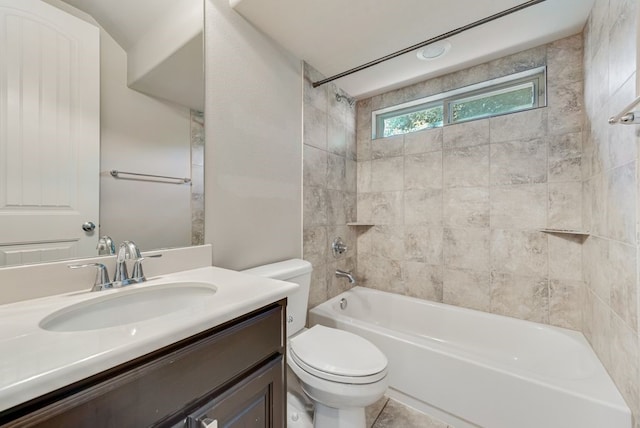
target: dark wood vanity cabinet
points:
(229, 376)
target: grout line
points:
(380, 413)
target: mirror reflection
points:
(88, 88)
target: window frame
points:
(537, 76)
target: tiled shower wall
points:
(197, 177)
(329, 189)
(457, 211)
(610, 195)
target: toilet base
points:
(329, 417)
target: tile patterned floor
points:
(387, 413)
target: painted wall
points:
(329, 185)
(458, 210)
(610, 196)
(143, 134)
(253, 156)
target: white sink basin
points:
(128, 306)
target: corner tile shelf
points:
(566, 232)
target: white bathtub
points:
(474, 369)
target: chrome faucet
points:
(106, 246)
(127, 251)
(346, 274)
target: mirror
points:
(151, 98)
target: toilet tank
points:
(297, 271)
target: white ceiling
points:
(336, 35)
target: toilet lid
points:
(337, 352)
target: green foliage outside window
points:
(429, 118)
(492, 105)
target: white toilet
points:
(340, 372)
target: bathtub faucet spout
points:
(346, 274)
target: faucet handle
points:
(138, 275)
(102, 276)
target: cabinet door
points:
(254, 402)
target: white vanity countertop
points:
(34, 361)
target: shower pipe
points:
(429, 42)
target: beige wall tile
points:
(466, 167)
(520, 252)
(341, 207)
(429, 140)
(423, 207)
(387, 147)
(315, 166)
(316, 97)
(565, 256)
(624, 361)
(564, 60)
(336, 136)
(601, 330)
(622, 57)
(622, 276)
(380, 273)
(337, 173)
(519, 162)
(466, 207)
(597, 268)
(519, 207)
(467, 249)
(383, 241)
(318, 289)
(315, 200)
(565, 104)
(469, 76)
(599, 211)
(565, 303)
(473, 133)
(363, 144)
(315, 245)
(387, 174)
(423, 171)
(565, 205)
(423, 244)
(315, 127)
(520, 296)
(621, 203)
(381, 208)
(423, 281)
(467, 288)
(565, 157)
(518, 126)
(364, 177)
(520, 61)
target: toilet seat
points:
(338, 356)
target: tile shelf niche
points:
(566, 231)
(360, 224)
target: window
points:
(517, 92)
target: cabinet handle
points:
(209, 423)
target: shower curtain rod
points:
(430, 41)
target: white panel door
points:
(49, 132)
